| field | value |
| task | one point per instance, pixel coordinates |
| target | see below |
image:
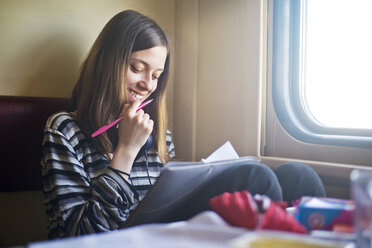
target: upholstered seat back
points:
(22, 120)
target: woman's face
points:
(144, 70)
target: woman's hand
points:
(134, 129)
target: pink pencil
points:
(108, 126)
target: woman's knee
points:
(259, 179)
(297, 170)
(298, 179)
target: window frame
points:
(287, 64)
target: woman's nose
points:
(147, 82)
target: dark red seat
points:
(22, 120)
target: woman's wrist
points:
(122, 161)
(121, 172)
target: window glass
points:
(337, 80)
(309, 55)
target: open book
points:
(176, 194)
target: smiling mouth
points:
(137, 96)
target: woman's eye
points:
(156, 76)
(134, 69)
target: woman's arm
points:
(83, 195)
(134, 129)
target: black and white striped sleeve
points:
(170, 145)
(82, 194)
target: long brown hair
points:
(100, 92)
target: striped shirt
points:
(82, 193)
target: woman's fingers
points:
(150, 126)
(130, 109)
(148, 123)
(144, 121)
(134, 106)
(135, 127)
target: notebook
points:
(176, 195)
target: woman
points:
(92, 184)
(86, 180)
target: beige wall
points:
(218, 76)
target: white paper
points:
(225, 152)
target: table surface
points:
(206, 230)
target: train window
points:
(337, 84)
(320, 81)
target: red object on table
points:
(242, 210)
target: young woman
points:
(86, 180)
(92, 184)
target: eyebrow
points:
(144, 62)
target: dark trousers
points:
(288, 182)
(297, 180)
